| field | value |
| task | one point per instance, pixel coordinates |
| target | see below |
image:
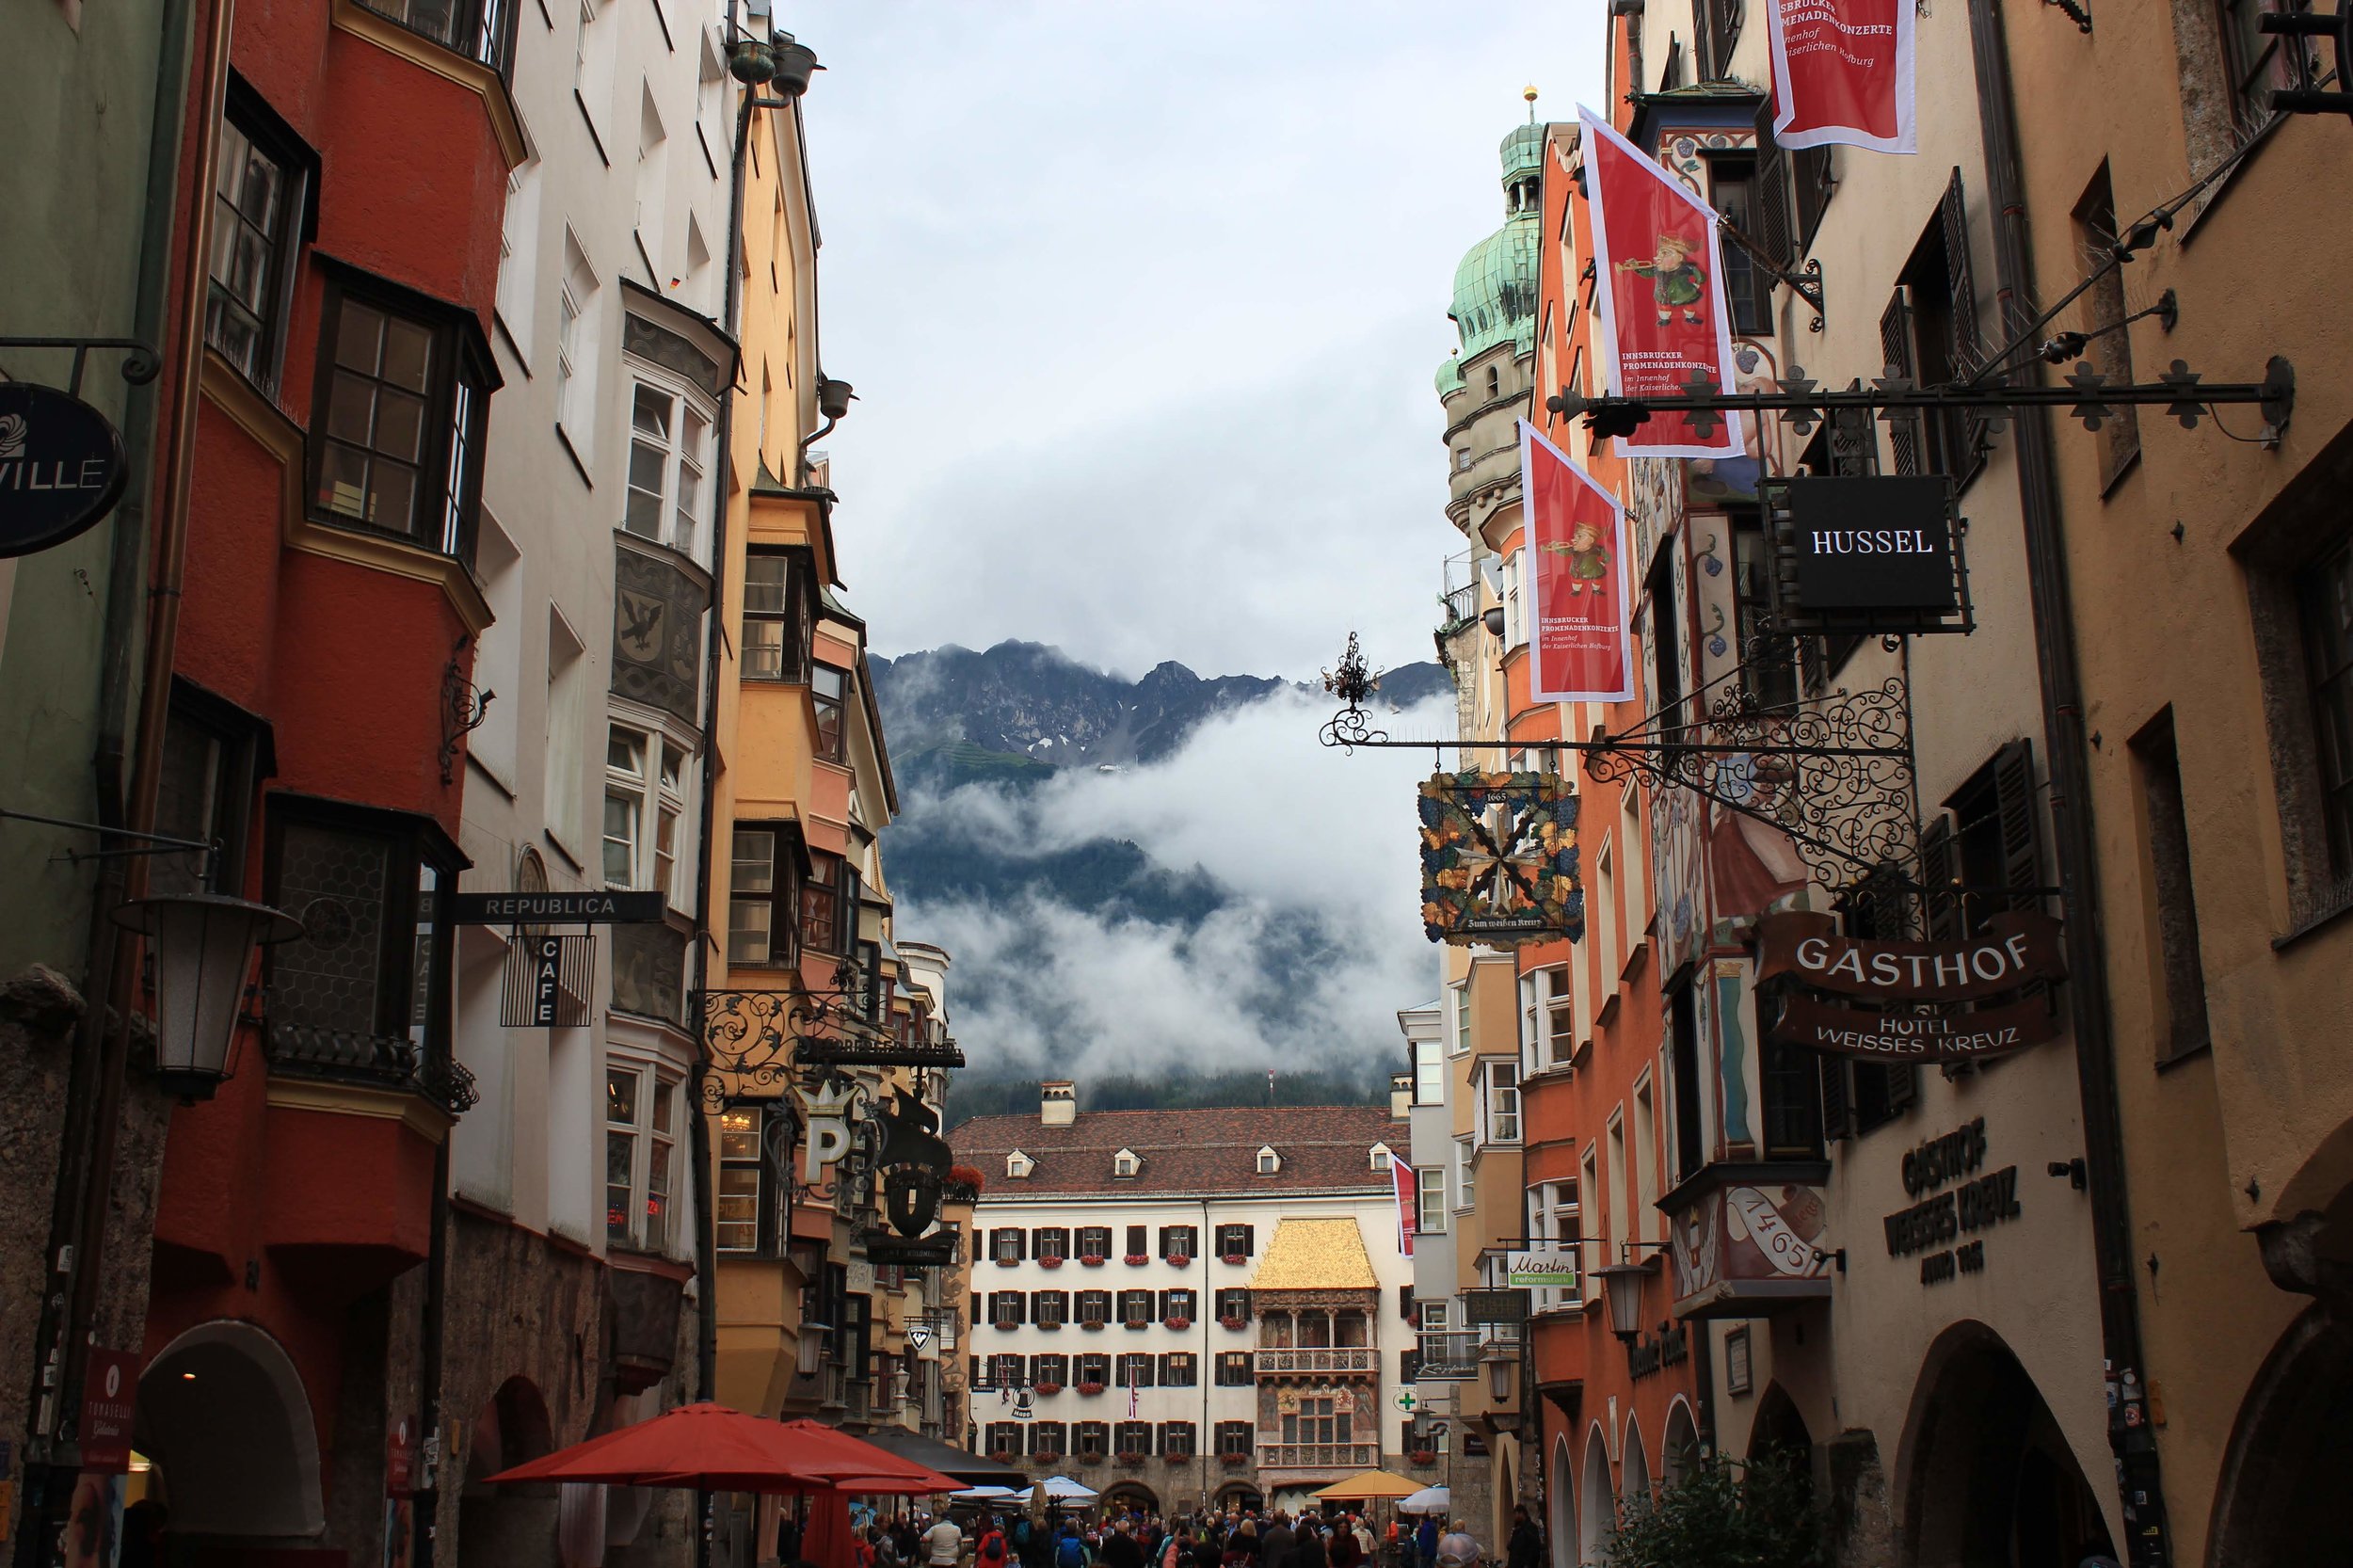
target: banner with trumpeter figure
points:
(1579, 640)
(1841, 72)
(1658, 275)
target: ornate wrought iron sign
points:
(914, 1162)
(1498, 859)
(747, 1042)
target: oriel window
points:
(829, 686)
(261, 207)
(778, 617)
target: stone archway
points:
(1779, 1427)
(225, 1417)
(1560, 1497)
(501, 1526)
(1634, 1483)
(1596, 1504)
(1131, 1495)
(2280, 1502)
(1988, 1476)
(1681, 1450)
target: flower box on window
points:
(1131, 1457)
(1009, 1263)
(1043, 1389)
(1091, 1261)
(1047, 1326)
(1179, 1322)
(1092, 1326)
(1049, 1262)
(1003, 1456)
(1090, 1389)
(1236, 1258)
(1136, 1260)
(1232, 1322)
(1181, 1261)
(1045, 1457)
(1423, 1456)
(1233, 1461)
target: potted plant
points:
(1423, 1456)
(1232, 1459)
(1049, 1262)
(1093, 1325)
(1181, 1261)
(1180, 1322)
(1003, 1456)
(965, 1183)
(1045, 1388)
(1091, 1259)
(1088, 1387)
(1136, 1260)
(1232, 1322)
(1236, 1258)
(1131, 1458)
(1136, 1322)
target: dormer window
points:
(1269, 1162)
(1125, 1163)
(1380, 1157)
(1018, 1165)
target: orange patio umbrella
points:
(714, 1449)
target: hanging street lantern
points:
(1622, 1282)
(202, 946)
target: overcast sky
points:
(1142, 303)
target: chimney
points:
(1057, 1102)
(1401, 1096)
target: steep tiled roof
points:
(1322, 1147)
(1315, 1254)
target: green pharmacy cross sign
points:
(1498, 859)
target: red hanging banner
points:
(1659, 275)
(1841, 72)
(1576, 548)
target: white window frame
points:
(651, 1154)
(681, 447)
(654, 792)
(1559, 1223)
(1465, 1191)
(575, 349)
(1500, 1109)
(1430, 1208)
(1269, 1162)
(1382, 1156)
(1458, 1031)
(1514, 622)
(1430, 1072)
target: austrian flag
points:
(1659, 274)
(1841, 72)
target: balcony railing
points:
(1450, 1356)
(1352, 1359)
(313, 1051)
(1318, 1456)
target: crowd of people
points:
(1231, 1538)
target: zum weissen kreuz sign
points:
(1914, 1000)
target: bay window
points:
(1430, 1200)
(779, 600)
(829, 686)
(640, 1153)
(742, 1200)
(1502, 1102)
(829, 901)
(400, 410)
(1547, 1019)
(669, 457)
(262, 204)
(645, 802)
(764, 878)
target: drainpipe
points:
(80, 1201)
(2147, 1544)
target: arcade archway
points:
(2281, 1500)
(1682, 1449)
(1560, 1495)
(1988, 1478)
(223, 1415)
(502, 1525)
(1633, 1470)
(1596, 1506)
(1131, 1495)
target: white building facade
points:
(1188, 1306)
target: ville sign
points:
(62, 467)
(1919, 989)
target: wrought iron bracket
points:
(2086, 394)
(2081, 16)
(748, 1047)
(140, 363)
(2338, 30)
(464, 707)
(1807, 283)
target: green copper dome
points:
(1523, 151)
(1449, 377)
(1494, 287)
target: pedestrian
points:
(943, 1543)
(1307, 1549)
(1456, 1549)
(1426, 1541)
(1525, 1547)
(991, 1552)
(1120, 1549)
(1278, 1544)
(1344, 1550)
(1070, 1551)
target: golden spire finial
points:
(1529, 92)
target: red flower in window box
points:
(1009, 1263)
(1423, 1456)
(1179, 1322)
(1092, 1326)
(1232, 1322)
(1090, 1389)
(1137, 1324)
(1236, 1258)
(1003, 1456)
(1091, 1259)
(1043, 1388)
(1181, 1261)
(1136, 1260)
(1233, 1461)
(1131, 1458)
(1047, 1457)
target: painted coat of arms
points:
(1498, 859)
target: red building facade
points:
(321, 679)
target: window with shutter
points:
(1811, 180)
(1837, 1104)
(1771, 202)
(1967, 341)
(2021, 856)
(1903, 427)
(1937, 875)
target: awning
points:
(970, 1468)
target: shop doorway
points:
(1779, 1429)
(1990, 1482)
(224, 1418)
(2280, 1503)
(1133, 1497)
(508, 1527)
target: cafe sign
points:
(1939, 1001)
(62, 467)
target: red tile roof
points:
(1322, 1147)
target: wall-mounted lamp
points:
(203, 946)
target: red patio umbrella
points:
(714, 1449)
